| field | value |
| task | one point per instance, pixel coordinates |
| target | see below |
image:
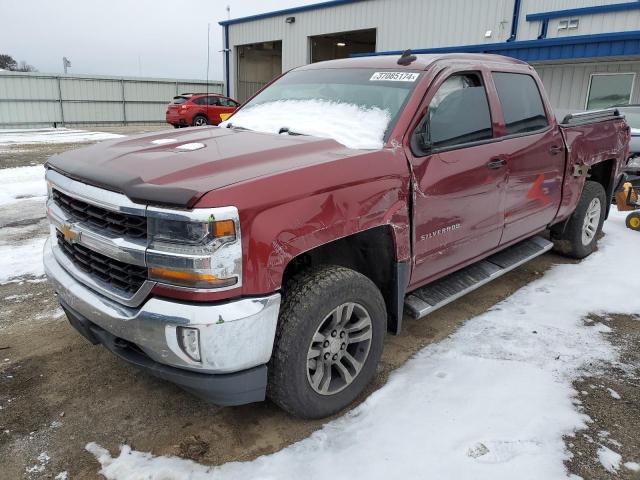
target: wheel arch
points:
(603, 173)
(370, 252)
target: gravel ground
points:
(58, 392)
(24, 155)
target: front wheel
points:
(579, 236)
(328, 343)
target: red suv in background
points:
(198, 109)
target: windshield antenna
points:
(406, 58)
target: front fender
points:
(290, 213)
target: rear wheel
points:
(199, 121)
(633, 221)
(329, 341)
(579, 236)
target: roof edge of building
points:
(288, 11)
(594, 45)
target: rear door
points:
(458, 180)
(200, 108)
(534, 152)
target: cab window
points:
(521, 102)
(459, 113)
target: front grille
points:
(120, 275)
(119, 223)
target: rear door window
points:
(521, 102)
(459, 112)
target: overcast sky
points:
(150, 38)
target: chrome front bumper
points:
(234, 336)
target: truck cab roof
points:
(422, 62)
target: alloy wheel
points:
(339, 348)
(591, 221)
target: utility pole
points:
(208, 48)
(65, 64)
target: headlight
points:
(197, 249)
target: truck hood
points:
(149, 168)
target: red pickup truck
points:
(271, 255)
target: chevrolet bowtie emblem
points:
(69, 234)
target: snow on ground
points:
(51, 135)
(21, 260)
(350, 125)
(492, 401)
(21, 183)
(609, 459)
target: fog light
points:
(189, 341)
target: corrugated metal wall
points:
(400, 24)
(600, 23)
(567, 84)
(32, 99)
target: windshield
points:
(356, 107)
(632, 116)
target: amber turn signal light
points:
(224, 228)
(190, 279)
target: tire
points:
(305, 318)
(199, 121)
(580, 235)
(633, 221)
(176, 126)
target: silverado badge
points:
(69, 234)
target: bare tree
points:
(25, 67)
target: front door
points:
(459, 182)
(221, 105)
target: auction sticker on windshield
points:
(394, 77)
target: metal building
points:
(586, 51)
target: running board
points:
(429, 298)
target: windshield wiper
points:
(290, 132)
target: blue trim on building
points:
(563, 48)
(574, 12)
(514, 21)
(227, 52)
(289, 11)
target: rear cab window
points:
(521, 102)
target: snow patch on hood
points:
(351, 125)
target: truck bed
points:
(596, 141)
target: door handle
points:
(496, 163)
(555, 150)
